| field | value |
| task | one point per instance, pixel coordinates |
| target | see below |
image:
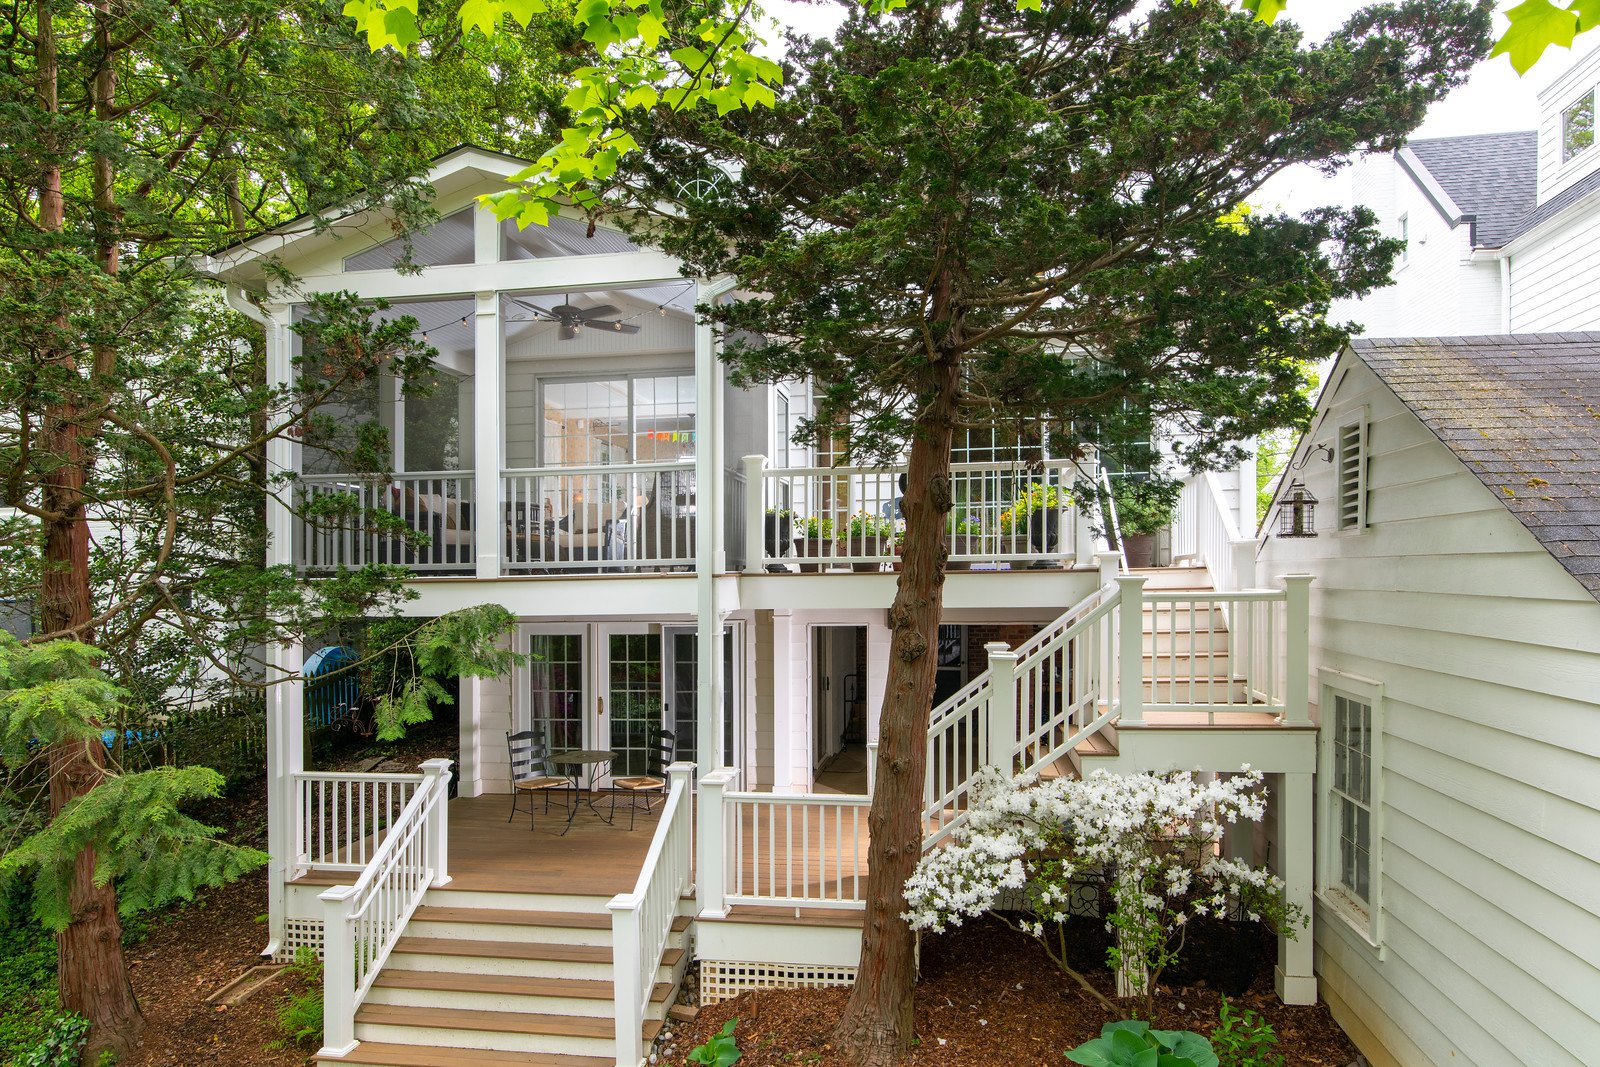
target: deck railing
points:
(342, 819)
(639, 517)
(849, 517)
(361, 922)
(803, 850)
(1206, 530)
(423, 521)
(641, 921)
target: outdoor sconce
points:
(1297, 512)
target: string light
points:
(616, 326)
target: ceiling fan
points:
(571, 317)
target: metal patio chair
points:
(531, 773)
(653, 783)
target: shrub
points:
(1134, 1044)
(1244, 1039)
(62, 1046)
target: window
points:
(1351, 457)
(1577, 127)
(601, 421)
(1405, 238)
(1349, 877)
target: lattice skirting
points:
(726, 979)
(298, 934)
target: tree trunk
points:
(91, 975)
(878, 1025)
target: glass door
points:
(682, 690)
(635, 704)
(554, 686)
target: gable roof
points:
(1491, 177)
(1522, 413)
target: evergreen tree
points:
(966, 216)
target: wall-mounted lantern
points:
(1297, 512)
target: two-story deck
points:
(676, 562)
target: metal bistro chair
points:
(650, 785)
(530, 772)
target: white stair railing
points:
(342, 819)
(362, 922)
(641, 921)
(1206, 529)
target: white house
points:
(584, 464)
(1499, 228)
(1455, 654)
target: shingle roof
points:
(1523, 413)
(1492, 177)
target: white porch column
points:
(1297, 648)
(877, 681)
(284, 699)
(755, 514)
(488, 435)
(709, 556)
(470, 701)
(1295, 981)
(784, 707)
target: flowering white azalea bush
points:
(1150, 840)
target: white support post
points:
(1109, 565)
(872, 768)
(285, 759)
(488, 436)
(681, 775)
(1297, 648)
(1082, 511)
(1002, 706)
(755, 514)
(1247, 492)
(711, 843)
(1130, 650)
(1295, 980)
(338, 972)
(625, 946)
(1244, 565)
(437, 838)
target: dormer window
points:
(1577, 127)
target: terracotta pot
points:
(809, 549)
(865, 545)
(1139, 549)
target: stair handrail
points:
(362, 922)
(641, 920)
(1110, 524)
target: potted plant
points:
(1145, 507)
(868, 535)
(779, 534)
(815, 534)
(966, 538)
(1042, 504)
(1013, 527)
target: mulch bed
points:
(990, 996)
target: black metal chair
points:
(531, 774)
(650, 785)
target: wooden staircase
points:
(498, 978)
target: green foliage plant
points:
(412, 660)
(864, 524)
(1244, 1039)
(1145, 505)
(720, 1050)
(300, 1012)
(62, 1046)
(1133, 1043)
(817, 528)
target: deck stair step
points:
(383, 1054)
(502, 1031)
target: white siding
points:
(1490, 657)
(1436, 290)
(1555, 274)
(1554, 173)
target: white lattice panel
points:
(298, 934)
(726, 979)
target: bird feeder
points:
(1297, 512)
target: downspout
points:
(1505, 292)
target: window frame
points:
(1405, 238)
(1353, 420)
(542, 381)
(1568, 154)
(1364, 917)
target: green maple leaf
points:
(1535, 26)
(1588, 12)
(1265, 10)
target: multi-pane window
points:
(602, 421)
(1577, 127)
(1352, 794)
(556, 673)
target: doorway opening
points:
(839, 709)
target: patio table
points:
(578, 763)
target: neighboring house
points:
(584, 463)
(1455, 653)
(1499, 229)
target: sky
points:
(1494, 100)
